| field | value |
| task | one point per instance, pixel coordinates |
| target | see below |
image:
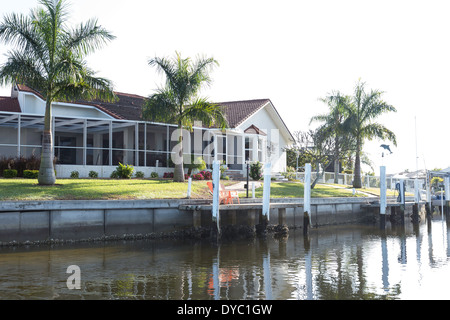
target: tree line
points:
(339, 139)
(50, 57)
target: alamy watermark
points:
(74, 280)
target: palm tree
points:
(179, 102)
(49, 57)
(364, 108)
(332, 126)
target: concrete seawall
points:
(40, 221)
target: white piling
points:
(307, 191)
(189, 188)
(266, 190)
(416, 191)
(216, 186)
(447, 188)
(442, 204)
(383, 190)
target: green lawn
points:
(105, 189)
(98, 189)
(296, 190)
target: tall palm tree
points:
(49, 57)
(364, 108)
(179, 102)
(332, 126)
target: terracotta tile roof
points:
(9, 104)
(129, 106)
(239, 111)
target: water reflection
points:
(345, 262)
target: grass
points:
(296, 190)
(139, 189)
(99, 189)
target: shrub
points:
(168, 175)
(124, 171)
(114, 175)
(93, 174)
(74, 174)
(140, 174)
(154, 175)
(198, 176)
(436, 181)
(9, 173)
(256, 171)
(206, 174)
(30, 174)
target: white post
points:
(253, 191)
(266, 190)
(416, 191)
(447, 188)
(383, 190)
(216, 186)
(442, 204)
(189, 188)
(307, 190)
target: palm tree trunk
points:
(357, 174)
(178, 174)
(46, 170)
(336, 159)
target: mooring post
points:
(402, 200)
(189, 188)
(266, 193)
(447, 194)
(216, 186)
(307, 199)
(428, 204)
(382, 196)
(415, 214)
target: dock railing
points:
(367, 181)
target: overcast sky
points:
(292, 52)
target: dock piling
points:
(382, 196)
(307, 199)
(216, 186)
(266, 191)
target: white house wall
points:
(263, 120)
(31, 104)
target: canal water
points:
(341, 262)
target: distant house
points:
(94, 135)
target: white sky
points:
(292, 52)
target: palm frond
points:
(208, 113)
(160, 107)
(376, 130)
(21, 67)
(88, 37)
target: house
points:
(95, 135)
